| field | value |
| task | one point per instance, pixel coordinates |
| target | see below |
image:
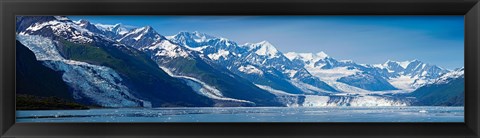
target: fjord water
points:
(250, 114)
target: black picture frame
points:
(10, 8)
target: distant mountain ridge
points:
(391, 75)
(447, 90)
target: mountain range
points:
(120, 66)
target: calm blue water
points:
(250, 114)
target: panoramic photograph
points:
(240, 69)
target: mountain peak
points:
(445, 78)
(414, 61)
(403, 64)
(148, 27)
(390, 62)
(117, 25)
(195, 36)
(62, 18)
(197, 33)
(119, 29)
(265, 43)
(312, 57)
(321, 55)
(145, 29)
(83, 23)
(265, 48)
(141, 37)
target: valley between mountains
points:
(118, 66)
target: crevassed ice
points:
(290, 100)
(98, 84)
(307, 88)
(322, 101)
(345, 88)
(273, 91)
(43, 48)
(356, 101)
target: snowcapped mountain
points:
(409, 74)
(319, 60)
(81, 76)
(323, 66)
(118, 66)
(50, 26)
(260, 62)
(187, 63)
(265, 49)
(393, 66)
(140, 37)
(166, 49)
(117, 29)
(391, 75)
(191, 40)
(447, 77)
(447, 90)
(345, 75)
(104, 66)
(89, 26)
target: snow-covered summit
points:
(58, 25)
(393, 66)
(140, 32)
(410, 74)
(118, 28)
(83, 22)
(412, 68)
(141, 37)
(264, 48)
(198, 39)
(312, 57)
(389, 64)
(196, 36)
(165, 48)
(445, 78)
(62, 18)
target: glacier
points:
(355, 101)
(290, 100)
(91, 83)
(316, 75)
(204, 89)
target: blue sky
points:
(437, 40)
